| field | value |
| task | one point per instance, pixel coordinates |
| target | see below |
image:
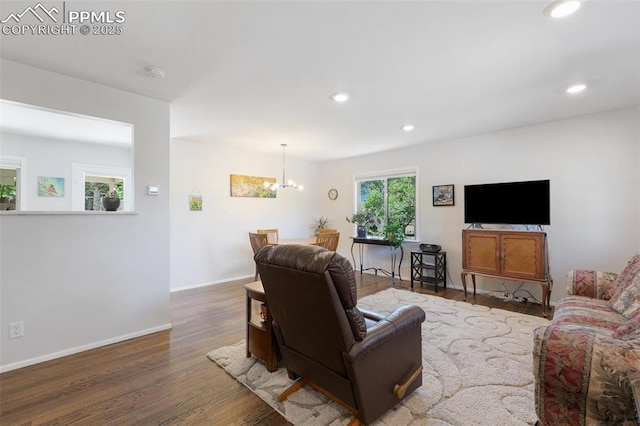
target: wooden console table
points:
(261, 340)
(507, 255)
(361, 241)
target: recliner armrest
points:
(374, 316)
(388, 328)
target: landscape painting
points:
(252, 186)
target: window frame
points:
(386, 175)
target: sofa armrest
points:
(634, 378)
(582, 375)
(595, 284)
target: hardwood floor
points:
(165, 378)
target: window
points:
(391, 197)
(12, 173)
(91, 183)
(8, 189)
(96, 187)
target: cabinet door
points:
(481, 252)
(522, 255)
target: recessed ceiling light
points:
(576, 88)
(408, 127)
(341, 96)
(154, 72)
(561, 8)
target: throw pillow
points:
(629, 329)
(627, 303)
(624, 279)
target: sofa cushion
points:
(624, 279)
(627, 302)
(585, 311)
(628, 330)
(594, 284)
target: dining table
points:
(304, 241)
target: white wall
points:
(51, 157)
(593, 164)
(212, 246)
(76, 280)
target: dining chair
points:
(327, 231)
(328, 240)
(257, 241)
(272, 234)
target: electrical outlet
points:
(16, 329)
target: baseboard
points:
(78, 349)
(226, 280)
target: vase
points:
(110, 204)
(362, 231)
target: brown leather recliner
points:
(365, 361)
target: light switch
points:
(152, 190)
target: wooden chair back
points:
(328, 240)
(257, 241)
(272, 235)
(327, 231)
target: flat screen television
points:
(512, 203)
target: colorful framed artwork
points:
(252, 186)
(195, 203)
(443, 195)
(50, 186)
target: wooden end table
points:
(261, 341)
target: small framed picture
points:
(195, 203)
(443, 195)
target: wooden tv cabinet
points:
(507, 255)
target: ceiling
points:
(255, 74)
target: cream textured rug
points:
(477, 369)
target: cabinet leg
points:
(463, 277)
(473, 280)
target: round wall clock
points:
(333, 194)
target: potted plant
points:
(360, 219)
(320, 223)
(111, 201)
(394, 234)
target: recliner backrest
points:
(311, 294)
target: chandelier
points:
(285, 183)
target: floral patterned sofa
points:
(587, 362)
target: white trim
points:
(80, 171)
(78, 349)
(405, 171)
(226, 280)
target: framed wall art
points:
(50, 186)
(443, 195)
(251, 186)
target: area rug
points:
(477, 369)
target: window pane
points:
(96, 187)
(392, 200)
(8, 189)
(402, 202)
